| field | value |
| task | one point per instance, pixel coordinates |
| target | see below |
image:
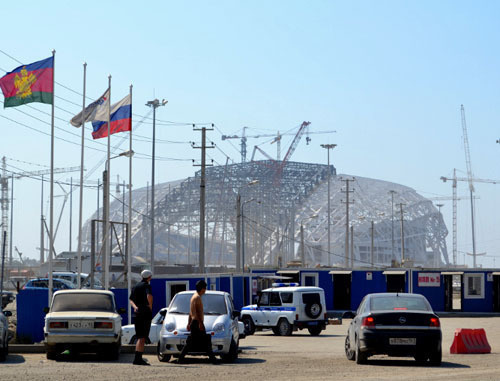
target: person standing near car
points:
(141, 300)
(198, 337)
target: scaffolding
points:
(272, 223)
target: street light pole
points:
(154, 104)
(392, 192)
(328, 147)
(105, 239)
(239, 265)
(243, 232)
(302, 252)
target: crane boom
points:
(467, 151)
(277, 138)
(46, 172)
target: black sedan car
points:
(394, 324)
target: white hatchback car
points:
(128, 331)
(83, 320)
(221, 322)
(287, 309)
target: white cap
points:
(145, 274)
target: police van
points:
(286, 308)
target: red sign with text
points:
(429, 279)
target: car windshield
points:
(398, 303)
(212, 304)
(83, 302)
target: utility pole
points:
(372, 246)
(352, 246)
(238, 232)
(392, 192)
(347, 202)
(402, 234)
(154, 104)
(328, 147)
(203, 148)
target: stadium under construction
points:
(283, 219)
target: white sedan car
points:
(83, 321)
(128, 331)
(221, 322)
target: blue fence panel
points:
(238, 292)
(225, 284)
(30, 315)
(325, 281)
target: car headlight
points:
(219, 328)
(170, 326)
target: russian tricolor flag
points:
(120, 116)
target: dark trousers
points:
(197, 341)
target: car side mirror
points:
(348, 315)
(163, 313)
(46, 310)
(121, 311)
(235, 314)
(7, 313)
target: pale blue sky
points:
(389, 76)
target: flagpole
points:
(107, 257)
(129, 235)
(81, 179)
(51, 224)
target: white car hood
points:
(181, 321)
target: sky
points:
(388, 76)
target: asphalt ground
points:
(267, 357)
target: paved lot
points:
(267, 357)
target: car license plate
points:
(81, 324)
(402, 341)
(313, 323)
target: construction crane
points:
(454, 180)
(4, 190)
(20, 255)
(454, 200)
(277, 139)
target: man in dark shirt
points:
(141, 300)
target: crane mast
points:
(470, 181)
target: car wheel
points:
(314, 331)
(162, 357)
(4, 350)
(51, 355)
(349, 353)
(421, 357)
(114, 352)
(435, 357)
(313, 310)
(284, 328)
(360, 356)
(232, 355)
(249, 325)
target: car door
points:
(234, 320)
(275, 308)
(260, 317)
(356, 322)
